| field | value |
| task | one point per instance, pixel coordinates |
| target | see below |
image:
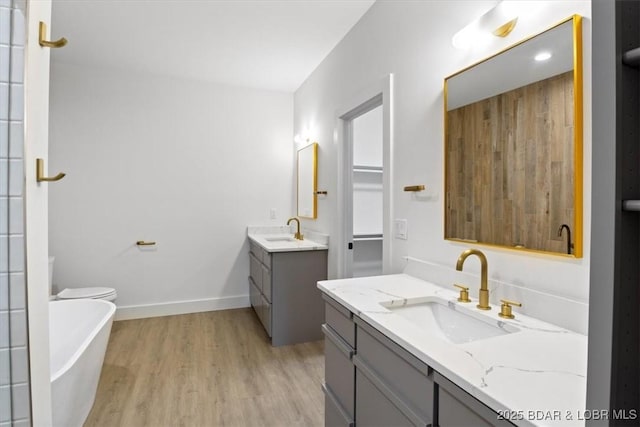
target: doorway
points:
(367, 193)
(365, 131)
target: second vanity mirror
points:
(513, 146)
(308, 181)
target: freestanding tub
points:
(79, 332)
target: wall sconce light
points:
(498, 21)
(305, 137)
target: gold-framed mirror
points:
(308, 181)
(513, 146)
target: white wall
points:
(367, 138)
(187, 164)
(412, 40)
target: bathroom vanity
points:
(282, 284)
(403, 351)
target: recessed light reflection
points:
(542, 56)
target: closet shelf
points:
(369, 169)
(632, 57)
(366, 237)
(631, 205)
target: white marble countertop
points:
(537, 373)
(279, 239)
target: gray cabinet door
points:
(254, 297)
(457, 408)
(334, 413)
(266, 283)
(339, 372)
(255, 270)
(408, 377)
(374, 408)
(266, 315)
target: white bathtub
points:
(79, 332)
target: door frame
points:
(36, 212)
(378, 94)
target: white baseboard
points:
(180, 307)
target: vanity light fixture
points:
(498, 21)
(542, 56)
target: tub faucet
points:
(483, 303)
(569, 244)
(298, 234)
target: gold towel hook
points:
(47, 43)
(40, 173)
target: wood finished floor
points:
(207, 369)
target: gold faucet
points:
(298, 234)
(483, 304)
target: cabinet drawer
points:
(408, 377)
(334, 414)
(255, 270)
(339, 370)
(340, 319)
(266, 283)
(266, 314)
(374, 407)
(266, 258)
(255, 249)
(254, 297)
(456, 407)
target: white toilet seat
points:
(108, 294)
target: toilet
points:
(107, 294)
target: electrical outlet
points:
(273, 213)
(400, 228)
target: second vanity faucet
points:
(298, 235)
(483, 303)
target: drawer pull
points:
(337, 341)
(329, 395)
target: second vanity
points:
(283, 272)
(404, 351)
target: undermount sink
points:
(448, 320)
(280, 239)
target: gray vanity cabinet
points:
(372, 381)
(284, 295)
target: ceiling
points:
(265, 44)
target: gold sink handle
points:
(505, 308)
(464, 293)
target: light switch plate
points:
(400, 227)
(272, 213)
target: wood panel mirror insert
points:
(308, 181)
(513, 146)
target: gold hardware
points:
(414, 188)
(505, 308)
(143, 243)
(464, 293)
(504, 30)
(47, 43)
(40, 173)
(323, 193)
(298, 235)
(483, 303)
